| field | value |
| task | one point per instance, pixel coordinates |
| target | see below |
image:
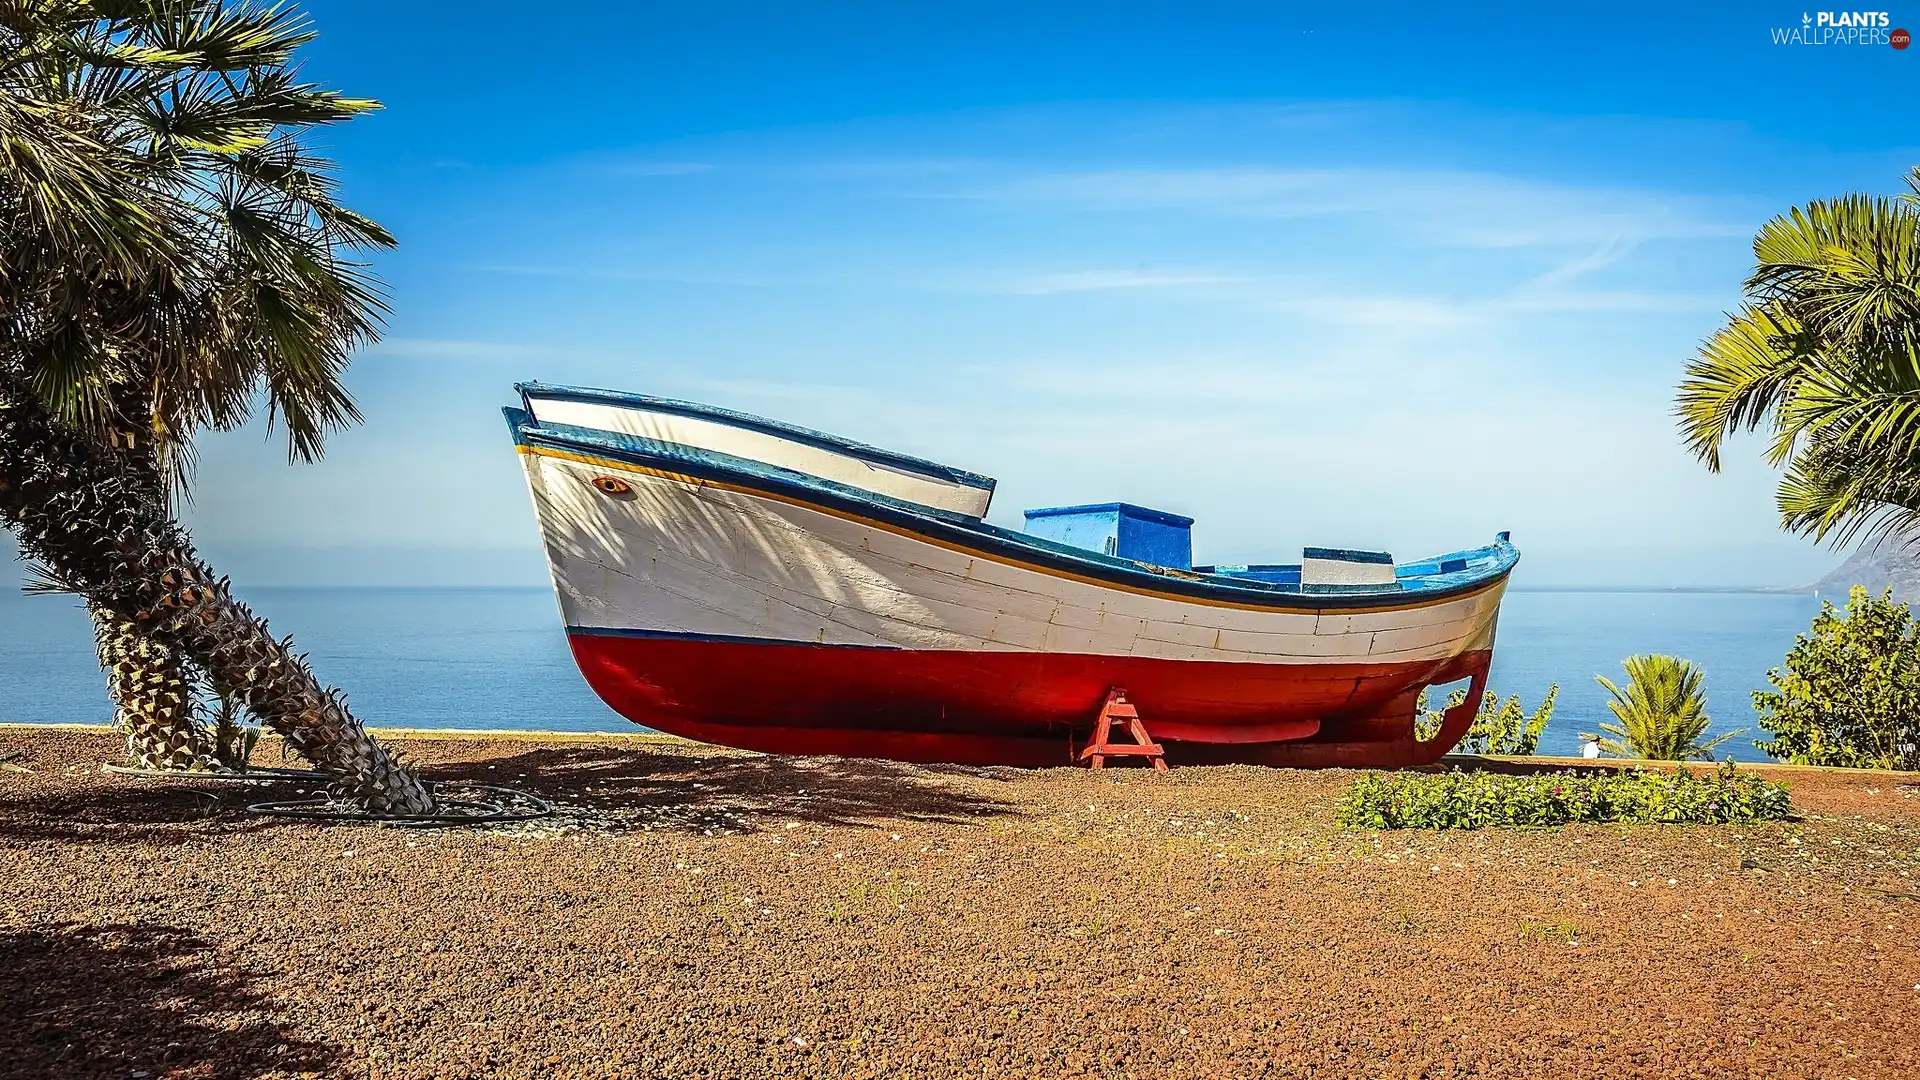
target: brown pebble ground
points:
(695, 912)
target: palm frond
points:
(1843, 493)
(1850, 267)
(1706, 749)
(1739, 380)
(80, 194)
(186, 254)
(1825, 356)
(225, 37)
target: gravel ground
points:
(700, 913)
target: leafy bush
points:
(1497, 729)
(1480, 800)
(1849, 692)
(1662, 712)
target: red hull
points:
(1016, 708)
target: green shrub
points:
(1480, 800)
(1849, 692)
(1498, 728)
(1662, 712)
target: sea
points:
(496, 658)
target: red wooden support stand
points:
(1118, 712)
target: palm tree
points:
(72, 507)
(229, 146)
(1662, 712)
(1826, 355)
(170, 250)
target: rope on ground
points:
(508, 805)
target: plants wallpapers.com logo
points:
(1843, 28)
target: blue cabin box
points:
(1120, 529)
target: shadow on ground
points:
(733, 792)
(160, 812)
(128, 1001)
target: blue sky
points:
(1360, 274)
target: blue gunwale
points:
(1485, 565)
(808, 436)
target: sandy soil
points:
(698, 913)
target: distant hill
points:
(1894, 565)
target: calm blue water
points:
(464, 658)
(495, 658)
(1569, 637)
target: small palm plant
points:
(1662, 712)
(233, 739)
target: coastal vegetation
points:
(1479, 800)
(173, 253)
(1849, 691)
(233, 738)
(1662, 712)
(1499, 728)
(1825, 355)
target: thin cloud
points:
(604, 272)
(1610, 251)
(1471, 209)
(778, 391)
(1611, 300)
(1080, 281)
(879, 168)
(1383, 312)
(659, 168)
(1408, 313)
(447, 348)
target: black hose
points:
(249, 775)
(470, 811)
(467, 811)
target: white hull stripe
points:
(683, 556)
(1482, 568)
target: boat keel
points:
(1402, 749)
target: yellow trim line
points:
(697, 481)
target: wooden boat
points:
(745, 582)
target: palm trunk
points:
(152, 686)
(71, 508)
(152, 690)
